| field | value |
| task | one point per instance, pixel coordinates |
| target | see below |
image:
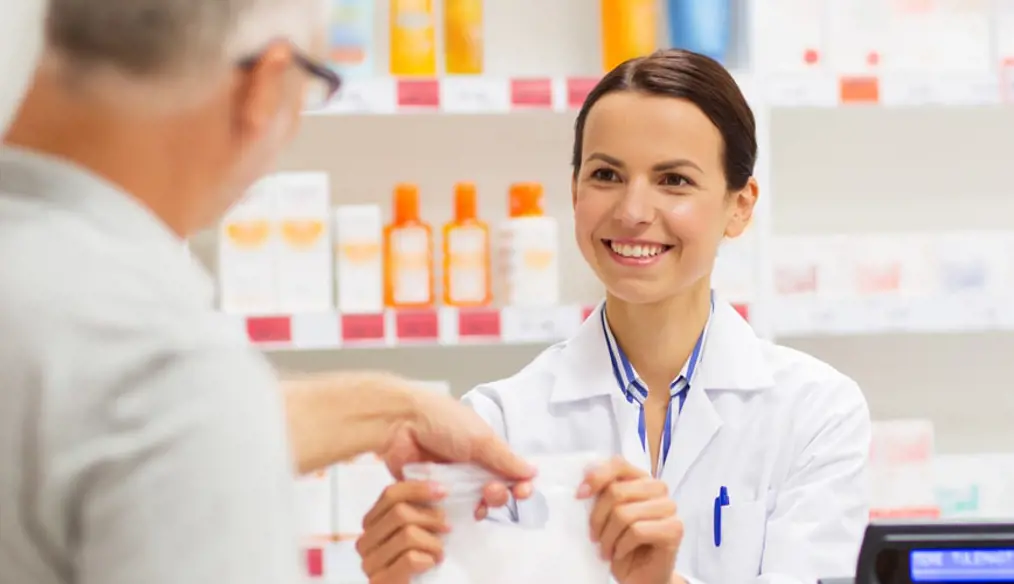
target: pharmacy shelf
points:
(807, 315)
(794, 316)
(442, 326)
(498, 95)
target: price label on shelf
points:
(315, 562)
(861, 90)
(474, 95)
(365, 96)
(531, 93)
(417, 325)
(418, 93)
(478, 324)
(586, 312)
(269, 329)
(539, 325)
(363, 328)
(578, 89)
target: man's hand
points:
(634, 522)
(441, 429)
(335, 417)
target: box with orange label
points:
(358, 256)
(304, 252)
(246, 253)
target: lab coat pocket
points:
(736, 558)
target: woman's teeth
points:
(639, 250)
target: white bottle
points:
(530, 250)
(359, 263)
(247, 253)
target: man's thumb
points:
(495, 456)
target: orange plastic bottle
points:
(629, 29)
(408, 253)
(467, 265)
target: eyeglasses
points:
(324, 83)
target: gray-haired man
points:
(141, 442)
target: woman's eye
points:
(675, 180)
(604, 174)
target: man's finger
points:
(415, 492)
(522, 490)
(495, 456)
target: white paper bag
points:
(551, 549)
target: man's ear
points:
(261, 93)
(742, 204)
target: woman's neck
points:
(658, 338)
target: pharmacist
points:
(141, 441)
(736, 460)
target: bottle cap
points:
(406, 203)
(526, 200)
(464, 201)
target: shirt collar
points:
(630, 383)
(70, 187)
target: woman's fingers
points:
(416, 492)
(621, 493)
(399, 517)
(408, 565)
(659, 533)
(411, 539)
(634, 521)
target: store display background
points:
(841, 170)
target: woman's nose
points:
(634, 208)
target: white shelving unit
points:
(845, 149)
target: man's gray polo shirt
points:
(141, 440)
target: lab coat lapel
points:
(696, 427)
(733, 361)
(585, 372)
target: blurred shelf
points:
(435, 327)
(808, 316)
(804, 89)
(794, 316)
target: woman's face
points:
(651, 203)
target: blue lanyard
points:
(635, 391)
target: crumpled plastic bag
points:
(552, 548)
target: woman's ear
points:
(573, 190)
(741, 204)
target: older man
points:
(141, 442)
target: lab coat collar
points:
(733, 360)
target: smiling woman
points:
(664, 150)
(762, 448)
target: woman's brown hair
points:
(698, 79)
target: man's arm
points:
(337, 416)
(181, 473)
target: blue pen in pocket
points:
(722, 500)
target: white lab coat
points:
(786, 434)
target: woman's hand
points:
(634, 523)
(401, 534)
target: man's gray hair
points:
(150, 37)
